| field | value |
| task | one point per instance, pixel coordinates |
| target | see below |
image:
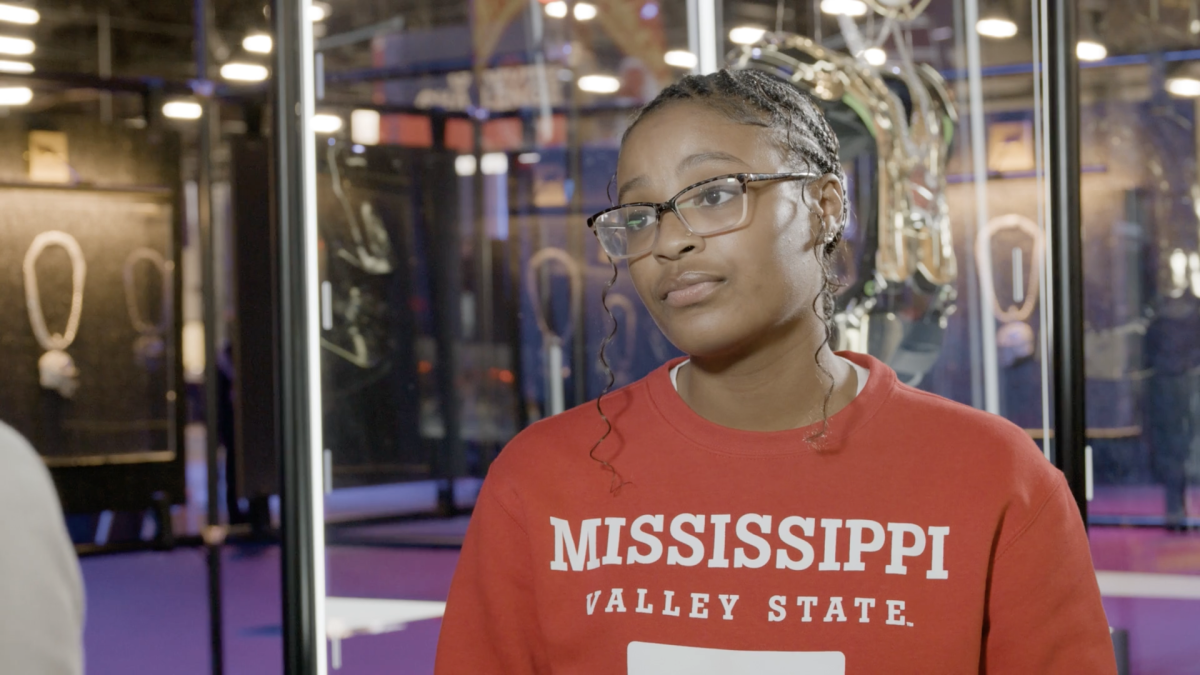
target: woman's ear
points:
(831, 206)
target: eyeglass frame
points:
(670, 205)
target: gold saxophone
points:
(914, 221)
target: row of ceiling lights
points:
(16, 46)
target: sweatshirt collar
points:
(842, 425)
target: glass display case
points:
(447, 294)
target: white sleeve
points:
(41, 591)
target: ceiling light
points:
(15, 95)
(494, 164)
(556, 9)
(182, 110)
(464, 165)
(875, 56)
(996, 27)
(15, 67)
(16, 46)
(318, 11)
(1090, 50)
(583, 12)
(847, 7)
(15, 14)
(746, 35)
(680, 58)
(259, 43)
(599, 84)
(1187, 87)
(326, 124)
(244, 72)
(365, 127)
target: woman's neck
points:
(772, 386)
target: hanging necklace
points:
(1015, 339)
(56, 368)
(149, 345)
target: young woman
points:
(765, 505)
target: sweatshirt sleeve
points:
(1043, 612)
(491, 623)
(41, 591)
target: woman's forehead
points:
(684, 136)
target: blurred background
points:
(459, 145)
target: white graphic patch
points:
(646, 658)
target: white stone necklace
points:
(149, 344)
(57, 370)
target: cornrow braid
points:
(759, 99)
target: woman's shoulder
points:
(973, 441)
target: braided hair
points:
(756, 98)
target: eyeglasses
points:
(711, 207)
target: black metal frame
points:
(300, 630)
(1066, 246)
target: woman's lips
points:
(691, 294)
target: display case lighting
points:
(326, 124)
(182, 110)
(556, 9)
(16, 46)
(746, 35)
(599, 84)
(258, 43)
(244, 72)
(15, 14)
(680, 58)
(22, 67)
(11, 96)
(529, 158)
(846, 7)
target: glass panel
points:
(1142, 269)
(461, 146)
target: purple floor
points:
(148, 612)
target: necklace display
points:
(149, 345)
(56, 368)
(1015, 339)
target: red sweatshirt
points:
(924, 537)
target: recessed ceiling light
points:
(847, 7)
(680, 58)
(1090, 50)
(15, 14)
(259, 43)
(599, 84)
(182, 110)
(244, 72)
(746, 35)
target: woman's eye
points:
(637, 222)
(713, 197)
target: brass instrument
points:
(913, 246)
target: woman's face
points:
(724, 294)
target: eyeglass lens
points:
(709, 208)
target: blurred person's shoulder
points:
(22, 470)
